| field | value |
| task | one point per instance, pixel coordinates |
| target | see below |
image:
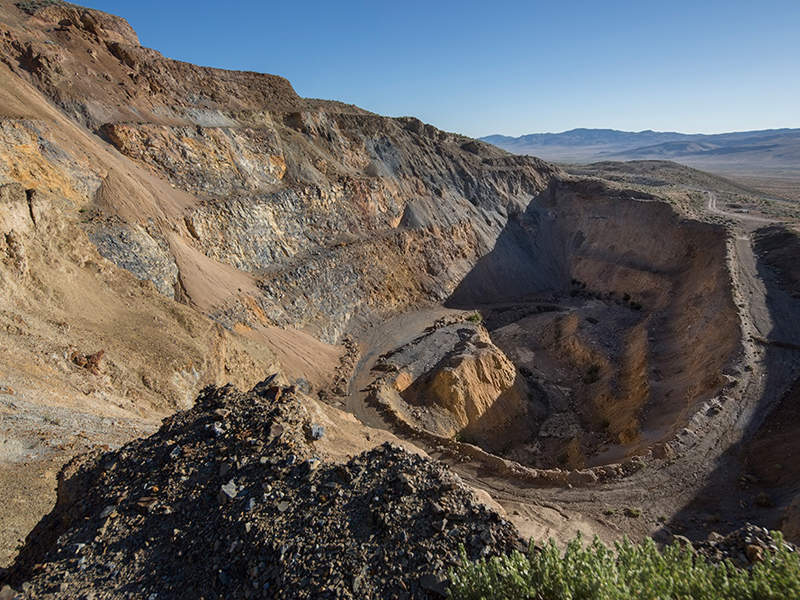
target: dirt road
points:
(378, 339)
(743, 219)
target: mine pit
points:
(256, 344)
(593, 330)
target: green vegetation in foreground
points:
(628, 571)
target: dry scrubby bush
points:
(597, 572)
(31, 6)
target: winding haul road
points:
(742, 218)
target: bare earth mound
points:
(233, 499)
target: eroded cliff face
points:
(353, 215)
(474, 393)
(327, 212)
(473, 377)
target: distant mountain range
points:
(766, 152)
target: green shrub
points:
(628, 571)
(475, 318)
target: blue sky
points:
(507, 67)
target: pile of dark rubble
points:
(743, 547)
(228, 500)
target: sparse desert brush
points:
(31, 6)
(626, 571)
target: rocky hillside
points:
(164, 227)
(238, 498)
(257, 206)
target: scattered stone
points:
(180, 530)
(663, 451)
(682, 541)
(90, 362)
(146, 503)
(302, 385)
(7, 593)
(754, 553)
(406, 483)
(715, 538)
(275, 431)
(317, 432)
(743, 547)
(228, 492)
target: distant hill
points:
(773, 152)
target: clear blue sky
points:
(497, 66)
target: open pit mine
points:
(258, 345)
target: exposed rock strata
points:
(480, 392)
(471, 379)
(303, 195)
